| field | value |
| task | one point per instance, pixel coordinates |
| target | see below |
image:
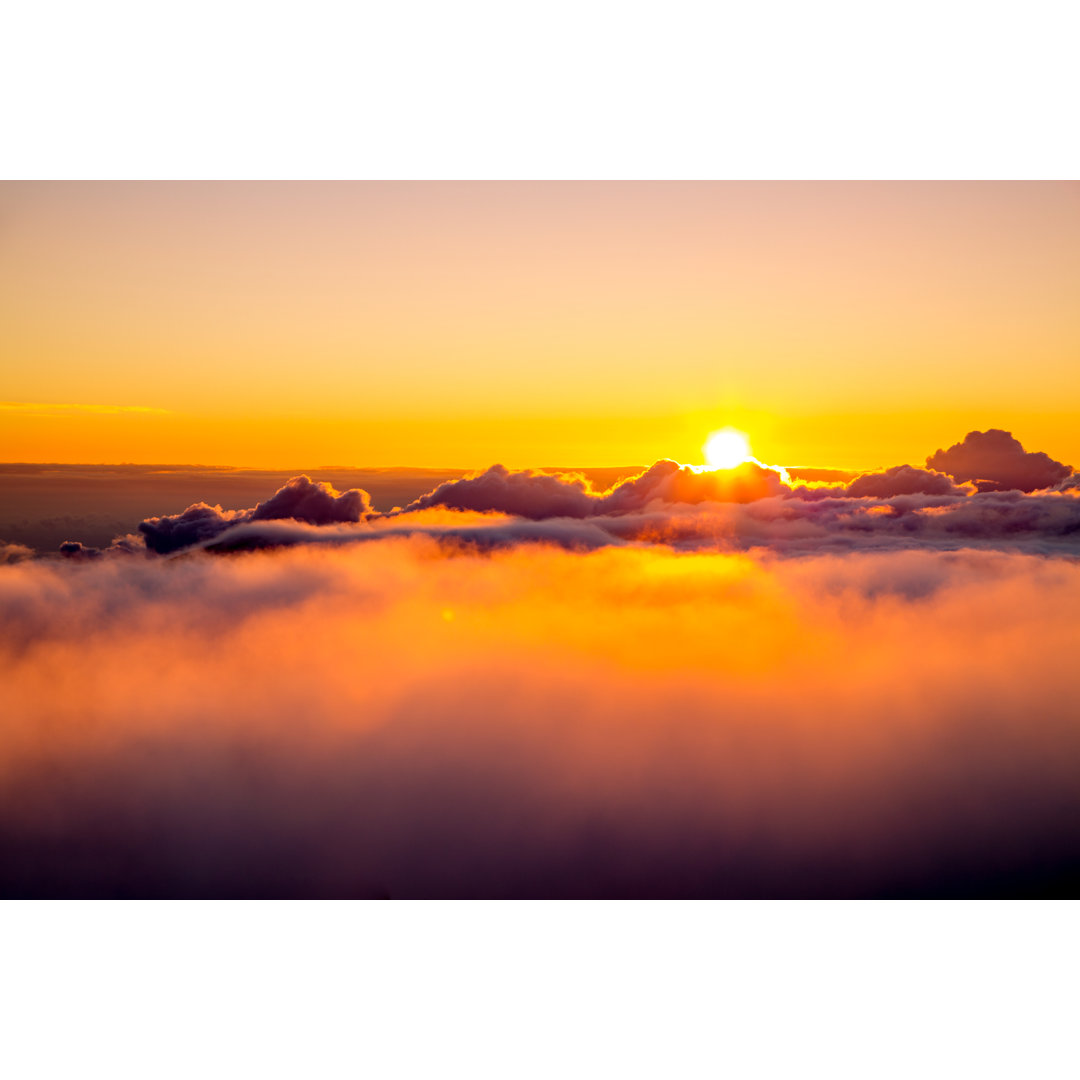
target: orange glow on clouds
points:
(416, 719)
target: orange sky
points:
(458, 324)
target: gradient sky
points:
(458, 324)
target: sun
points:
(726, 448)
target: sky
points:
(339, 627)
(455, 325)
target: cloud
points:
(197, 523)
(313, 502)
(902, 480)
(1045, 524)
(798, 523)
(692, 683)
(415, 718)
(499, 532)
(688, 507)
(537, 495)
(301, 499)
(75, 549)
(526, 493)
(12, 553)
(41, 408)
(669, 482)
(997, 462)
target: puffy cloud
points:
(998, 462)
(314, 502)
(902, 506)
(823, 520)
(527, 493)
(301, 499)
(406, 719)
(902, 480)
(12, 553)
(537, 495)
(197, 523)
(43, 505)
(75, 549)
(669, 482)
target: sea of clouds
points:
(689, 684)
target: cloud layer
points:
(1014, 501)
(537, 495)
(989, 498)
(414, 718)
(689, 683)
(743, 508)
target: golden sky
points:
(289, 325)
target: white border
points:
(522, 990)
(564, 89)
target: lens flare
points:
(727, 448)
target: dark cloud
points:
(996, 461)
(75, 549)
(315, 502)
(302, 499)
(198, 522)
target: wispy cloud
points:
(49, 408)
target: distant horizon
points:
(175, 465)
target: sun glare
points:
(727, 448)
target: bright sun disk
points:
(727, 448)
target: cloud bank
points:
(742, 508)
(537, 495)
(988, 499)
(415, 718)
(690, 683)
